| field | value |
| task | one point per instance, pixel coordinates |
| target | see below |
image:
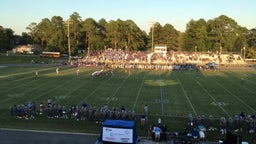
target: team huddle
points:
(102, 73)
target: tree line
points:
(221, 34)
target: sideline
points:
(50, 132)
(24, 136)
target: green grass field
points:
(171, 95)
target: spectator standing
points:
(57, 70)
(157, 133)
(190, 120)
(211, 128)
(77, 72)
(122, 109)
(159, 121)
(145, 109)
(143, 119)
(41, 108)
(36, 74)
(223, 125)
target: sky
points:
(18, 14)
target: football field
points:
(171, 95)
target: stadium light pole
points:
(152, 26)
(69, 51)
(244, 53)
(88, 42)
(152, 38)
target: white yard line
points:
(118, 89)
(99, 86)
(211, 97)
(20, 84)
(243, 87)
(236, 97)
(27, 90)
(49, 91)
(3, 66)
(186, 95)
(5, 100)
(74, 90)
(161, 94)
(246, 80)
(138, 94)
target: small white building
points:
(23, 49)
(161, 49)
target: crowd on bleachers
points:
(117, 58)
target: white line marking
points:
(161, 94)
(138, 94)
(185, 93)
(211, 97)
(118, 88)
(236, 97)
(99, 86)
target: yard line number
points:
(219, 103)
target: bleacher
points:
(171, 58)
(234, 59)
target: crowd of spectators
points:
(117, 58)
(83, 112)
(234, 123)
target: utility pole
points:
(152, 32)
(68, 44)
(152, 38)
(69, 51)
(88, 41)
(244, 53)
